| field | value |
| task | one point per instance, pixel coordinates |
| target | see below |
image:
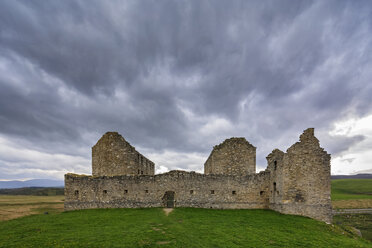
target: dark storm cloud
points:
(163, 73)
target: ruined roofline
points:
(170, 173)
(307, 138)
(239, 140)
(115, 134)
(77, 175)
(274, 153)
(119, 136)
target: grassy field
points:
(184, 227)
(14, 206)
(352, 193)
(347, 189)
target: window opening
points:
(212, 192)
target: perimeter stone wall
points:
(191, 190)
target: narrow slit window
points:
(274, 184)
(212, 192)
(141, 172)
(138, 172)
(275, 165)
(261, 192)
(76, 192)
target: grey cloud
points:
(349, 160)
(338, 144)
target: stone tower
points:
(300, 180)
(234, 156)
(113, 155)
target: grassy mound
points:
(184, 227)
(363, 222)
(347, 189)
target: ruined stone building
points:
(294, 182)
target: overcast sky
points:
(176, 78)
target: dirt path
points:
(167, 210)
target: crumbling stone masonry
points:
(295, 182)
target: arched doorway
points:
(168, 199)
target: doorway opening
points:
(168, 199)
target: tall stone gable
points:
(113, 155)
(234, 156)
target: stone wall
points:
(190, 190)
(113, 155)
(234, 156)
(295, 182)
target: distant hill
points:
(40, 191)
(31, 183)
(357, 176)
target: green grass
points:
(184, 227)
(349, 189)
